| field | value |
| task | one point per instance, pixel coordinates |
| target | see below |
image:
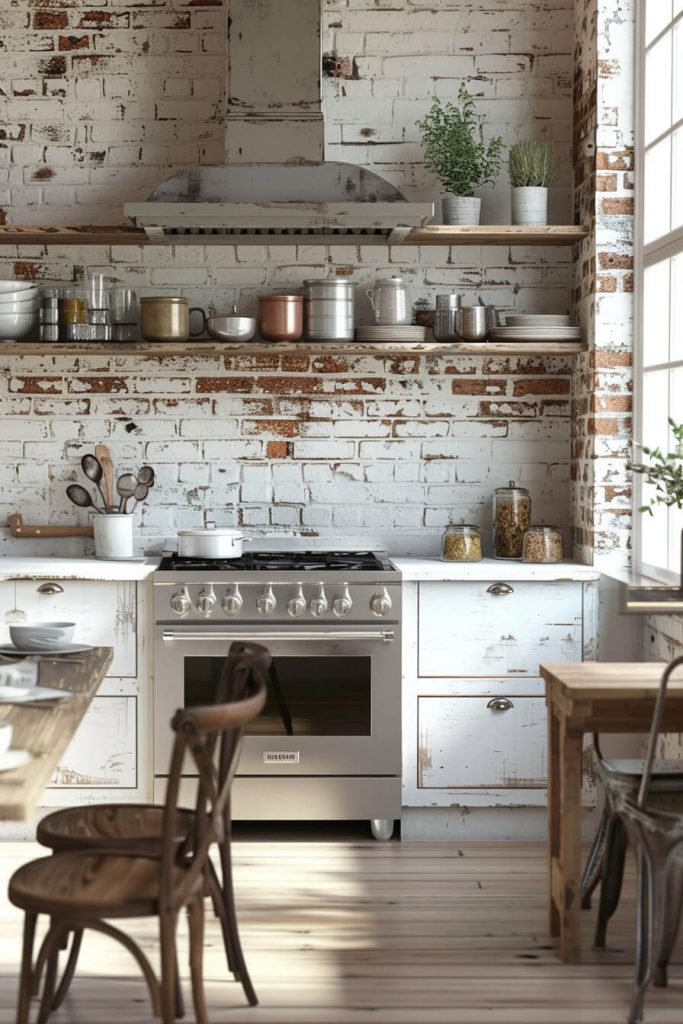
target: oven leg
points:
(382, 828)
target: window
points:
(659, 264)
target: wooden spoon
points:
(104, 456)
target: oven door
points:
(333, 705)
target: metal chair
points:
(124, 830)
(656, 835)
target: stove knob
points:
(380, 604)
(180, 602)
(296, 606)
(319, 603)
(232, 600)
(265, 602)
(206, 600)
(342, 605)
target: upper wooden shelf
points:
(436, 234)
(218, 348)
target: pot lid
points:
(179, 299)
(211, 530)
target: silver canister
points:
(445, 317)
(471, 323)
(329, 310)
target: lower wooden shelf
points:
(217, 348)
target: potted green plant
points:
(455, 151)
(530, 167)
(665, 473)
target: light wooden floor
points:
(342, 929)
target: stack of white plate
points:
(19, 303)
(399, 332)
(537, 327)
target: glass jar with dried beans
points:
(511, 517)
(461, 544)
(542, 544)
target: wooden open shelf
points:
(435, 234)
(218, 348)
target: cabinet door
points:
(497, 629)
(464, 743)
(104, 613)
(103, 750)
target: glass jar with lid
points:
(461, 543)
(542, 544)
(511, 517)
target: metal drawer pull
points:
(498, 589)
(500, 704)
(386, 637)
(50, 588)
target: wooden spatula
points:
(104, 455)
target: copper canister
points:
(281, 317)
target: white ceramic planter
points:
(113, 535)
(529, 205)
(464, 210)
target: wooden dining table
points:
(45, 728)
(586, 697)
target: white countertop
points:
(492, 569)
(51, 568)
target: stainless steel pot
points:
(210, 542)
(329, 309)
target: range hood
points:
(274, 108)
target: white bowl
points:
(17, 286)
(41, 636)
(19, 306)
(16, 325)
(5, 736)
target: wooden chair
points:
(83, 888)
(656, 835)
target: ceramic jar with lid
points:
(511, 517)
(390, 301)
(461, 543)
(542, 544)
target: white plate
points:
(13, 759)
(22, 694)
(47, 653)
(519, 321)
(397, 333)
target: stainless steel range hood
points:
(274, 109)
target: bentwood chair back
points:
(87, 888)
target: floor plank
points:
(343, 930)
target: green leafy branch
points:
(664, 472)
(455, 152)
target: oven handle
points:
(386, 636)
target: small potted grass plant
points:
(454, 148)
(530, 167)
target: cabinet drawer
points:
(464, 744)
(104, 613)
(474, 629)
(103, 750)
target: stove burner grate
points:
(282, 561)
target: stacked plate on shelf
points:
(398, 332)
(537, 327)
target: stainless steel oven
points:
(327, 744)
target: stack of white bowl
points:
(19, 304)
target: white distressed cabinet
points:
(474, 717)
(107, 758)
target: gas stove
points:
(278, 586)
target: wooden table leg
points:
(553, 813)
(569, 889)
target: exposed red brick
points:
(344, 271)
(615, 261)
(99, 385)
(295, 363)
(281, 428)
(278, 449)
(627, 283)
(614, 160)
(205, 385)
(3, 216)
(36, 385)
(26, 271)
(617, 207)
(612, 493)
(289, 385)
(336, 66)
(24, 92)
(606, 182)
(73, 43)
(249, 362)
(546, 386)
(53, 67)
(611, 403)
(618, 427)
(43, 174)
(605, 284)
(604, 358)
(330, 364)
(488, 386)
(47, 20)
(510, 410)
(404, 365)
